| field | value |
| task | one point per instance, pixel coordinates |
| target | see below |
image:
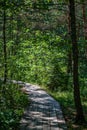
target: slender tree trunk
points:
(4, 45)
(17, 40)
(11, 33)
(69, 66)
(77, 99)
(78, 31)
(85, 25)
(18, 29)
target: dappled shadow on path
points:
(44, 112)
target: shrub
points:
(12, 103)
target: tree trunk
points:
(11, 33)
(69, 66)
(4, 44)
(85, 25)
(17, 40)
(18, 30)
(77, 99)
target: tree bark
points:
(77, 99)
(69, 66)
(4, 44)
(85, 25)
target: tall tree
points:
(4, 42)
(69, 66)
(85, 24)
(77, 99)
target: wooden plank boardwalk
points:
(44, 113)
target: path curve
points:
(44, 113)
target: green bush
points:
(12, 103)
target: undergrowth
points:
(12, 104)
(66, 101)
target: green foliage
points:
(12, 103)
(37, 44)
(58, 80)
(42, 4)
(39, 60)
(66, 101)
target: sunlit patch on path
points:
(44, 113)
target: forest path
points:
(44, 113)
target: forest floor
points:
(44, 113)
(66, 101)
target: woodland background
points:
(44, 42)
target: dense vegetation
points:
(36, 46)
(12, 104)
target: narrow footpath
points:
(44, 113)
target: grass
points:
(67, 104)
